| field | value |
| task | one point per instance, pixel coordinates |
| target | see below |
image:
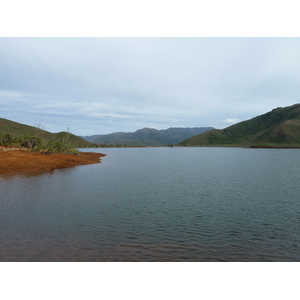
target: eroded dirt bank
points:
(25, 162)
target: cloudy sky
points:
(105, 85)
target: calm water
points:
(157, 204)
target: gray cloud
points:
(103, 85)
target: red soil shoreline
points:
(19, 162)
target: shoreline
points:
(14, 161)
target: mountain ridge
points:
(279, 127)
(147, 136)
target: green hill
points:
(73, 140)
(15, 129)
(147, 136)
(277, 128)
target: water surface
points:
(157, 204)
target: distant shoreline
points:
(273, 147)
(15, 161)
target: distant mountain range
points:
(147, 136)
(277, 128)
(16, 130)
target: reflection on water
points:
(157, 204)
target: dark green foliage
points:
(35, 144)
(6, 139)
(30, 141)
(54, 146)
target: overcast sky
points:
(105, 85)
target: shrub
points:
(30, 141)
(6, 139)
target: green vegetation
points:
(72, 140)
(28, 141)
(37, 139)
(277, 128)
(35, 143)
(54, 146)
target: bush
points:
(36, 144)
(30, 141)
(6, 140)
(54, 146)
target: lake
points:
(157, 204)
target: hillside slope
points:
(147, 136)
(17, 129)
(279, 127)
